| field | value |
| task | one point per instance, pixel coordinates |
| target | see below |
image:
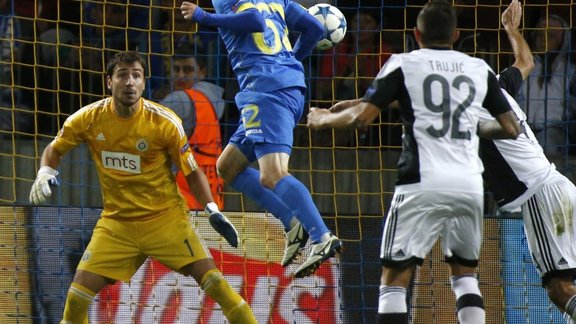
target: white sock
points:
(468, 299)
(392, 300)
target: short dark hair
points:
(185, 51)
(437, 22)
(124, 57)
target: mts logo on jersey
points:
(121, 161)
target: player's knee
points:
(268, 182)
(559, 291)
(78, 300)
(269, 179)
(223, 170)
(228, 169)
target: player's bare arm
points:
(510, 126)
(199, 186)
(51, 157)
(491, 129)
(345, 104)
(511, 18)
(360, 115)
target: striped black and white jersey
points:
(441, 93)
(514, 169)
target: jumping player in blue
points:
(271, 102)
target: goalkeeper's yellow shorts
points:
(118, 247)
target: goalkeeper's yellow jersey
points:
(134, 156)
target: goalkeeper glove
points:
(41, 188)
(221, 224)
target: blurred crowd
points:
(53, 55)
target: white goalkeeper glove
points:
(221, 224)
(41, 191)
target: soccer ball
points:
(334, 24)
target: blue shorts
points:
(267, 121)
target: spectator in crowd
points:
(35, 68)
(10, 49)
(57, 88)
(104, 34)
(174, 31)
(12, 116)
(133, 142)
(348, 72)
(31, 17)
(200, 105)
(546, 96)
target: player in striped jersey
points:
(439, 190)
(521, 177)
(271, 102)
(134, 142)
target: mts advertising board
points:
(157, 295)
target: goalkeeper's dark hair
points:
(437, 22)
(129, 57)
(186, 50)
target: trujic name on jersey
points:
(443, 66)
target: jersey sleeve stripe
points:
(192, 162)
(170, 117)
(245, 6)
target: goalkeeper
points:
(134, 142)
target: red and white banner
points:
(157, 295)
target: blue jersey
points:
(264, 61)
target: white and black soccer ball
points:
(334, 24)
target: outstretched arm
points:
(248, 21)
(359, 115)
(345, 104)
(511, 18)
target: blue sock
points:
(297, 197)
(248, 183)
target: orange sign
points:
(157, 295)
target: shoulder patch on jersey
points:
(369, 92)
(184, 148)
